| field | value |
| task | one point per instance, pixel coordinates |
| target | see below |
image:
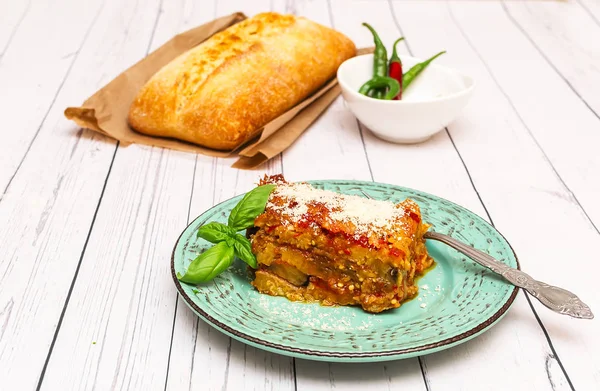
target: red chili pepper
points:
(395, 69)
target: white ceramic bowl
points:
(433, 100)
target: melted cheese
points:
(367, 215)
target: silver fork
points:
(557, 299)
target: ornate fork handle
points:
(555, 298)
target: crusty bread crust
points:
(220, 93)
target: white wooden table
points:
(87, 226)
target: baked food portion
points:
(317, 245)
(220, 93)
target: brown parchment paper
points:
(106, 110)
(274, 142)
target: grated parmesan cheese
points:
(367, 215)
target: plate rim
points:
(353, 356)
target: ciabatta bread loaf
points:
(222, 92)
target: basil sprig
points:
(243, 214)
(228, 243)
(243, 250)
(215, 232)
(209, 264)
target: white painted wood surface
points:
(83, 218)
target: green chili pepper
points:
(416, 70)
(381, 82)
(379, 59)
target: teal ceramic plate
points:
(457, 299)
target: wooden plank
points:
(560, 102)
(332, 149)
(209, 356)
(148, 196)
(516, 182)
(213, 347)
(561, 31)
(38, 53)
(202, 356)
(592, 7)
(117, 326)
(12, 17)
(53, 199)
(556, 217)
(440, 171)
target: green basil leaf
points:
(215, 232)
(251, 205)
(209, 264)
(243, 250)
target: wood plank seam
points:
(425, 374)
(64, 310)
(14, 30)
(148, 228)
(226, 376)
(197, 321)
(422, 367)
(473, 183)
(358, 124)
(518, 114)
(539, 50)
(171, 343)
(406, 42)
(371, 175)
(539, 320)
(53, 101)
(554, 353)
(362, 140)
(177, 295)
(66, 304)
(429, 368)
(587, 10)
(546, 158)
